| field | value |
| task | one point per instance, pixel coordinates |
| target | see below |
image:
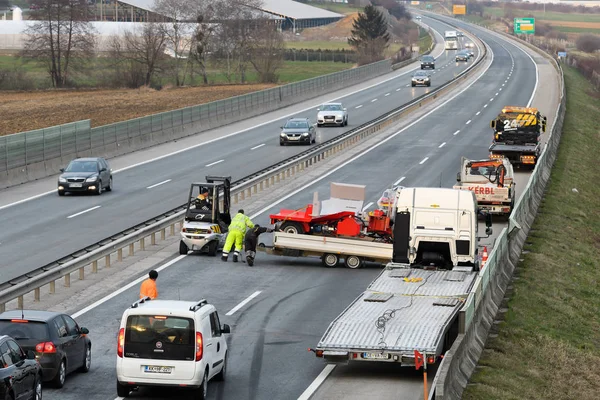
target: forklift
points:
(205, 223)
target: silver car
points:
(297, 130)
(421, 78)
(332, 114)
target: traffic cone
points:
(484, 257)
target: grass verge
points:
(549, 344)
(546, 16)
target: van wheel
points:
(221, 375)
(353, 262)
(122, 390)
(203, 389)
(183, 249)
(330, 260)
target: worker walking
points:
(148, 288)
(235, 235)
(251, 240)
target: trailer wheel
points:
(292, 227)
(353, 262)
(330, 260)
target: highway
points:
(55, 227)
(298, 298)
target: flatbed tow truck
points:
(517, 133)
(415, 301)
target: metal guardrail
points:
(242, 189)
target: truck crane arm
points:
(498, 164)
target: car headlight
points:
(305, 134)
(282, 134)
(92, 178)
(62, 180)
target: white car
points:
(332, 114)
(469, 45)
(170, 343)
(419, 17)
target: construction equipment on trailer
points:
(492, 181)
(517, 132)
(206, 219)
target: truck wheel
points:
(183, 249)
(292, 227)
(353, 262)
(330, 260)
(212, 248)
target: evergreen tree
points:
(370, 35)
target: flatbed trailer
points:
(517, 154)
(354, 251)
(404, 309)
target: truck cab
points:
(207, 216)
(436, 227)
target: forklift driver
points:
(202, 202)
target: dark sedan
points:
(462, 56)
(92, 175)
(59, 344)
(20, 373)
(297, 130)
(427, 62)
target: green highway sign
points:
(524, 25)
(428, 6)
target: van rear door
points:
(159, 347)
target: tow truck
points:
(414, 303)
(492, 181)
(517, 132)
(205, 230)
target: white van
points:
(170, 343)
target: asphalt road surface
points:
(298, 297)
(46, 229)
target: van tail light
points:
(121, 343)
(45, 348)
(199, 346)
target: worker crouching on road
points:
(235, 234)
(251, 240)
(148, 288)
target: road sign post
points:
(524, 26)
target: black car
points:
(462, 55)
(427, 62)
(59, 344)
(92, 174)
(298, 130)
(20, 373)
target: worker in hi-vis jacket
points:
(235, 235)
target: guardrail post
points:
(36, 294)
(272, 179)
(107, 261)
(2, 307)
(131, 249)
(120, 255)
(277, 178)
(163, 233)
(95, 267)
(235, 198)
(153, 239)
(142, 244)
(242, 195)
(249, 192)
(172, 229)
(81, 273)
(68, 280)
(20, 302)
(261, 187)
(52, 287)
(255, 189)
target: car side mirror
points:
(102, 169)
(493, 124)
(488, 231)
(226, 328)
(30, 355)
(345, 109)
(458, 177)
(318, 109)
(62, 170)
(544, 127)
(84, 331)
(488, 220)
(281, 127)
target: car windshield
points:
(420, 73)
(82, 166)
(332, 107)
(160, 337)
(24, 330)
(296, 125)
(427, 58)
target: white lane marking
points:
(502, 85)
(468, 122)
(257, 147)
(500, 89)
(317, 382)
(243, 303)
(214, 163)
(478, 112)
(485, 106)
(496, 94)
(359, 106)
(441, 145)
(84, 211)
(491, 99)
(399, 89)
(124, 288)
(373, 101)
(456, 133)
(399, 180)
(158, 184)
(234, 133)
(387, 94)
(407, 85)
(423, 160)
(367, 206)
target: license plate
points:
(375, 356)
(156, 369)
(76, 185)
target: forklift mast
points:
(217, 187)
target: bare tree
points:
(266, 51)
(141, 50)
(200, 45)
(61, 38)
